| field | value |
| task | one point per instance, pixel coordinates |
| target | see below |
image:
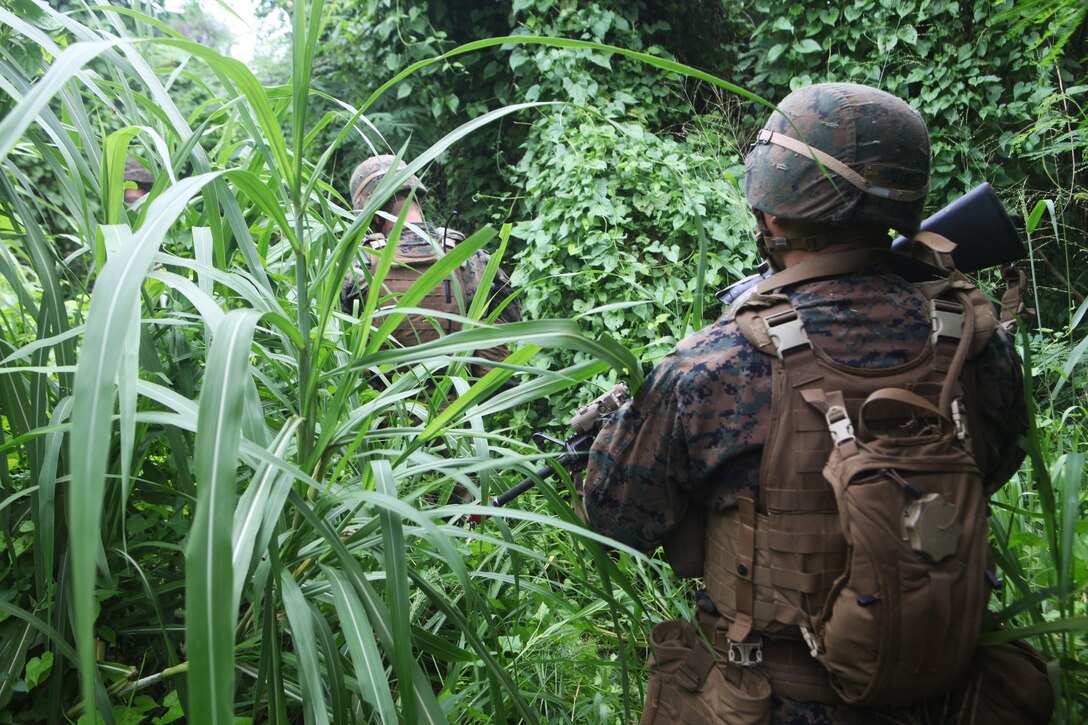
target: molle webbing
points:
(799, 549)
(416, 329)
(793, 573)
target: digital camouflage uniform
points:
(692, 439)
(693, 434)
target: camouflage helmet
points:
(137, 172)
(873, 147)
(367, 176)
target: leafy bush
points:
(949, 59)
(614, 234)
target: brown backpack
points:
(879, 560)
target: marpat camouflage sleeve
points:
(682, 440)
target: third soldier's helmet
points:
(367, 176)
(873, 147)
(137, 173)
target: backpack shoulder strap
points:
(950, 300)
(824, 265)
(751, 320)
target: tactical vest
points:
(773, 561)
(404, 272)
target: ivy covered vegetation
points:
(223, 500)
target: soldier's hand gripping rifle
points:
(586, 422)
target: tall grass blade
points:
(258, 510)
(115, 293)
(301, 618)
(209, 582)
(396, 585)
(1072, 487)
(15, 639)
(428, 711)
(359, 637)
(45, 524)
(66, 66)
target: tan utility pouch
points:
(690, 683)
(1008, 686)
(902, 623)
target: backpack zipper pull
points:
(909, 488)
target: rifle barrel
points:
(574, 453)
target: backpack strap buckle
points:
(745, 654)
(838, 423)
(786, 331)
(947, 319)
(958, 419)
(810, 640)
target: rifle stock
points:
(977, 222)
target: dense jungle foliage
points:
(224, 500)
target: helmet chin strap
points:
(773, 248)
(765, 250)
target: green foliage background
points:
(975, 71)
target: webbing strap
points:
(825, 159)
(746, 561)
(824, 265)
(696, 667)
(958, 359)
(811, 243)
(933, 249)
(909, 399)
(1013, 307)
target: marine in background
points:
(420, 244)
(138, 174)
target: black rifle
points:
(586, 422)
(977, 222)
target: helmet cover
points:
(367, 176)
(137, 172)
(873, 149)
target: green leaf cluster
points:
(618, 213)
